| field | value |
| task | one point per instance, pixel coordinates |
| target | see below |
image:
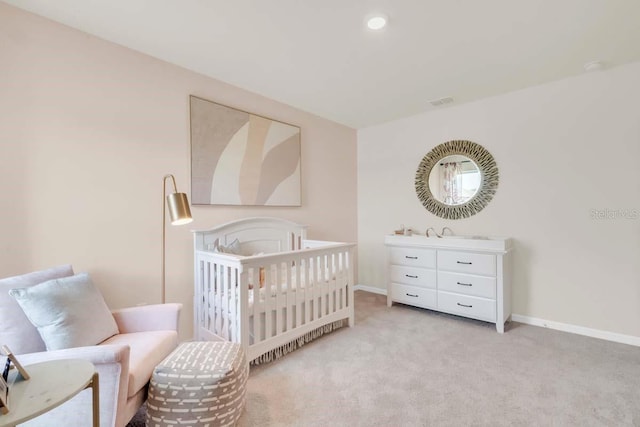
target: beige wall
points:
(87, 131)
(563, 149)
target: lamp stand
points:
(180, 214)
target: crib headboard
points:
(256, 235)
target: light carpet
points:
(403, 366)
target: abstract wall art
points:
(239, 158)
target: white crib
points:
(282, 291)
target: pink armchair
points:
(125, 362)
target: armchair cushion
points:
(68, 312)
(15, 329)
(148, 349)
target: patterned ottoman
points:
(199, 384)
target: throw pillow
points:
(68, 312)
(16, 331)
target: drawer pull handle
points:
(410, 276)
(412, 295)
(410, 257)
(465, 263)
(464, 284)
(463, 305)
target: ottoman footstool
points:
(200, 384)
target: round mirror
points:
(456, 179)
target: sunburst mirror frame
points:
(488, 185)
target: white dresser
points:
(466, 276)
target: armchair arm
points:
(98, 355)
(157, 317)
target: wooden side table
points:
(51, 384)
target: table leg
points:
(95, 388)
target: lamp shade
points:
(179, 209)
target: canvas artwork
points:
(239, 158)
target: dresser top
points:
(472, 243)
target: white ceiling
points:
(318, 55)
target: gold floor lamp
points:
(178, 211)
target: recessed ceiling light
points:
(377, 22)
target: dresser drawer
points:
(467, 262)
(474, 307)
(420, 297)
(414, 257)
(468, 284)
(413, 276)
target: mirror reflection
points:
(454, 180)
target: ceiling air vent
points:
(441, 101)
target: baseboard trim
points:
(370, 289)
(580, 330)
(534, 321)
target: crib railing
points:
(216, 307)
(266, 301)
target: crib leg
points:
(352, 320)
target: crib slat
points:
(351, 277)
(308, 309)
(202, 297)
(339, 291)
(313, 272)
(226, 271)
(327, 282)
(243, 306)
(206, 296)
(257, 306)
(309, 294)
(278, 300)
(248, 274)
(268, 319)
(291, 295)
(332, 283)
(299, 292)
(211, 315)
(338, 274)
(217, 281)
(345, 280)
(286, 291)
(205, 313)
(342, 279)
(223, 296)
(233, 312)
(212, 297)
(233, 291)
(322, 285)
(318, 285)
(231, 320)
(304, 278)
(330, 279)
(219, 290)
